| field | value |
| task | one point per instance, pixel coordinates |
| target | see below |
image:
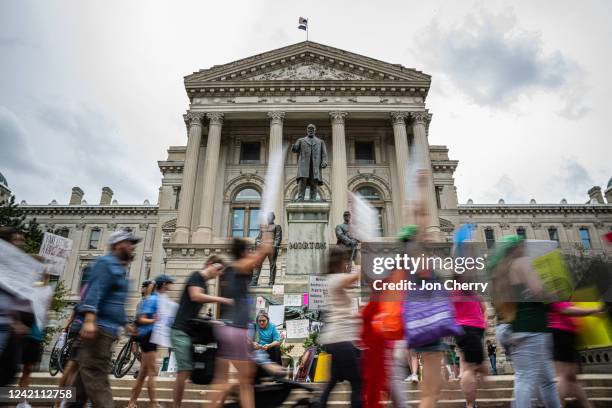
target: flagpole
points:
(306, 31)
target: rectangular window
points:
(178, 197)
(489, 237)
(238, 222)
(585, 238)
(379, 227)
(253, 222)
(364, 153)
(520, 231)
(553, 234)
(438, 195)
(94, 238)
(249, 152)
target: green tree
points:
(12, 216)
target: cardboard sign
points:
(277, 314)
(56, 250)
(317, 292)
(292, 299)
(166, 312)
(260, 303)
(298, 329)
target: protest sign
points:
(278, 289)
(260, 303)
(317, 292)
(277, 314)
(56, 250)
(292, 300)
(166, 312)
(297, 329)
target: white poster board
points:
(292, 299)
(277, 314)
(278, 289)
(166, 312)
(56, 250)
(260, 303)
(298, 329)
(19, 271)
(317, 292)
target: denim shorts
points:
(435, 346)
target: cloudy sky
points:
(91, 93)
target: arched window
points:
(245, 213)
(376, 201)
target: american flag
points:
(303, 23)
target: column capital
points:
(399, 117)
(276, 117)
(421, 118)
(215, 118)
(193, 118)
(337, 117)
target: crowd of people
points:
(376, 349)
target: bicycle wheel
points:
(64, 355)
(53, 360)
(125, 360)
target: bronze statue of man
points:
(312, 159)
(344, 237)
(275, 233)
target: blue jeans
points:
(533, 370)
(493, 360)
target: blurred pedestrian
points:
(192, 299)
(103, 308)
(492, 353)
(234, 344)
(563, 325)
(341, 329)
(518, 295)
(146, 316)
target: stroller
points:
(267, 394)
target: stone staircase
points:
(496, 392)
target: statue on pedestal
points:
(312, 159)
(344, 237)
(273, 233)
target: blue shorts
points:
(435, 346)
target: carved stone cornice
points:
(193, 118)
(399, 117)
(420, 118)
(215, 118)
(276, 117)
(337, 117)
(85, 210)
(171, 166)
(560, 209)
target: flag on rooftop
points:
(303, 23)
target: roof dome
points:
(5, 183)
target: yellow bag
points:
(323, 369)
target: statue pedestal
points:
(307, 237)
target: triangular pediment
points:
(307, 61)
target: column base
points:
(202, 236)
(180, 236)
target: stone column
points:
(183, 222)
(401, 158)
(276, 147)
(339, 177)
(419, 130)
(204, 233)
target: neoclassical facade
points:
(374, 120)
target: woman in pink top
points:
(470, 313)
(562, 324)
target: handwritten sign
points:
(292, 299)
(56, 250)
(278, 289)
(277, 314)
(297, 329)
(317, 291)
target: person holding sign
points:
(267, 337)
(146, 316)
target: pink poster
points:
(305, 299)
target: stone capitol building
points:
(372, 116)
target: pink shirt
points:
(468, 311)
(559, 321)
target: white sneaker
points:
(23, 404)
(414, 378)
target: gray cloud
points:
(575, 178)
(15, 153)
(494, 62)
(507, 189)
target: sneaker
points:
(24, 404)
(414, 378)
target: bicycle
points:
(54, 367)
(126, 358)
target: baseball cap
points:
(161, 279)
(122, 235)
